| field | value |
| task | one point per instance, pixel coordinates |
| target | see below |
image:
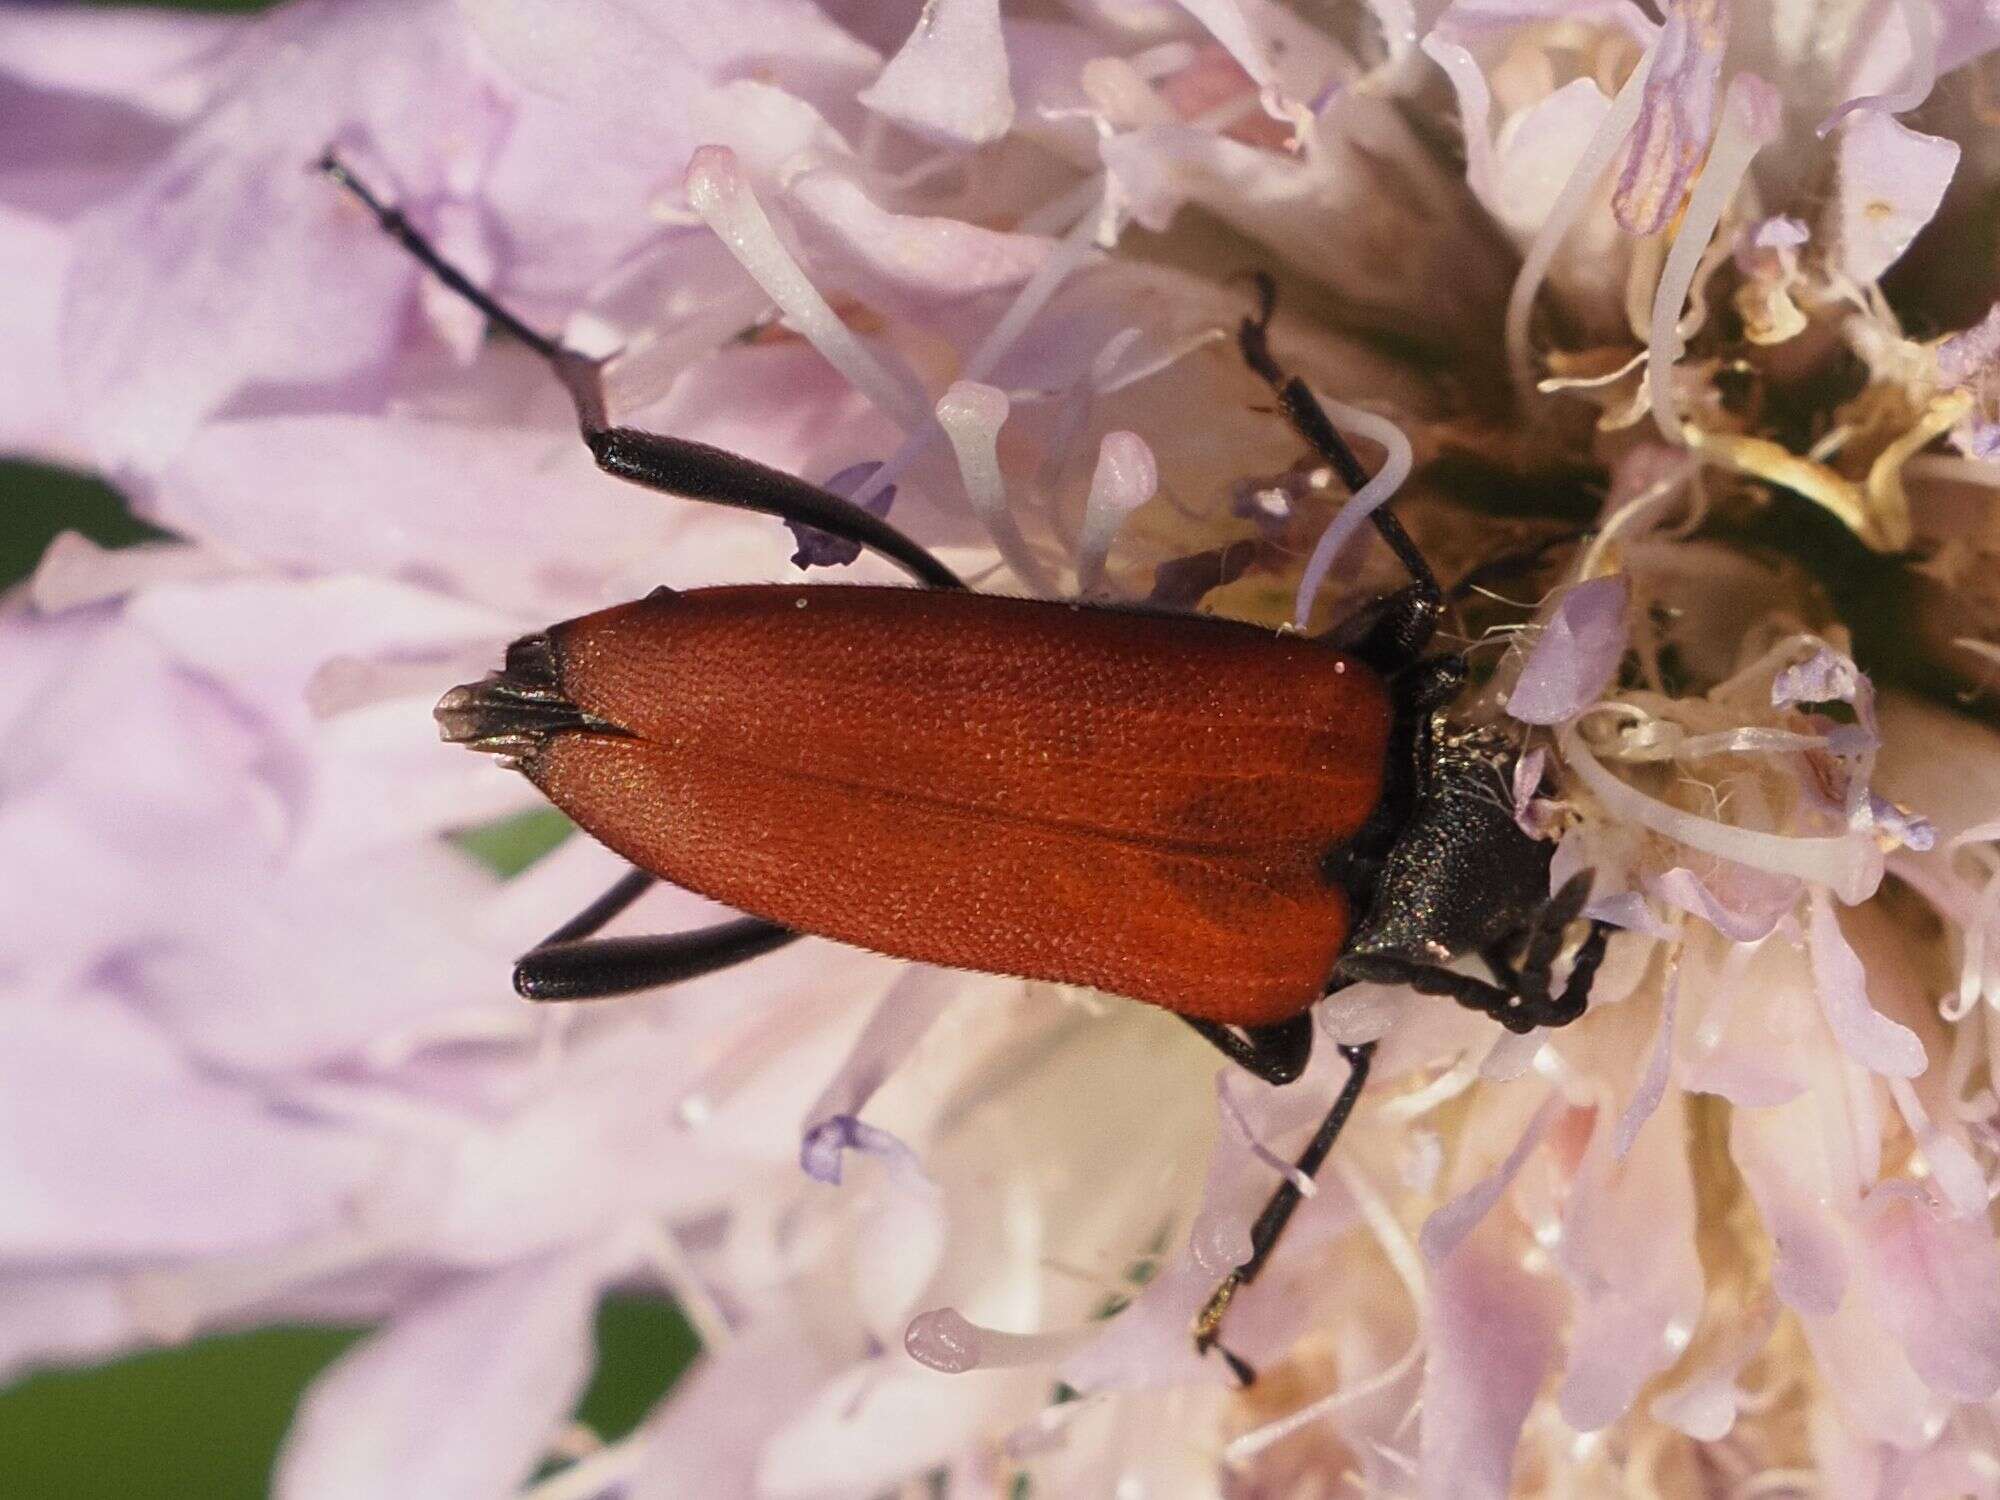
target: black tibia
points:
(593, 918)
(1276, 1054)
(1309, 419)
(604, 968)
(572, 963)
(1278, 1212)
(673, 466)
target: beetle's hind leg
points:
(1275, 1054)
(572, 963)
(1278, 1212)
(673, 466)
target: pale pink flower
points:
(1730, 1232)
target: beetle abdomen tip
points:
(514, 712)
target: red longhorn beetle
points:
(1185, 810)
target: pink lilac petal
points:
(1704, 1403)
(75, 571)
(1917, 20)
(1934, 1277)
(1653, 1083)
(900, 1237)
(1742, 904)
(1491, 1334)
(886, 1421)
(1628, 1248)
(1966, 29)
(187, 1164)
(709, 1440)
(918, 268)
(1676, 116)
(230, 264)
(949, 80)
(459, 1398)
(1864, 1033)
(1872, 1387)
(1576, 655)
(1889, 181)
(49, 1315)
(456, 500)
(158, 61)
(36, 419)
(618, 61)
(1777, 1151)
(1446, 1229)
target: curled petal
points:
(949, 81)
(1934, 1277)
(1576, 655)
(1890, 180)
(1865, 1034)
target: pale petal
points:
(186, 1164)
(461, 1396)
(1891, 180)
(1491, 1333)
(1934, 1278)
(949, 80)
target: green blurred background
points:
(206, 1420)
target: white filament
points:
(1568, 208)
(716, 188)
(1749, 120)
(1388, 479)
(1849, 864)
(947, 1341)
(1125, 479)
(971, 415)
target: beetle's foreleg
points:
(1278, 1212)
(673, 466)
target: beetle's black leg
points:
(1309, 419)
(604, 968)
(674, 466)
(628, 888)
(1278, 1212)
(1276, 1054)
(572, 963)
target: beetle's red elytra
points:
(1134, 801)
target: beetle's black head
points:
(512, 713)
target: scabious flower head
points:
(1707, 280)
